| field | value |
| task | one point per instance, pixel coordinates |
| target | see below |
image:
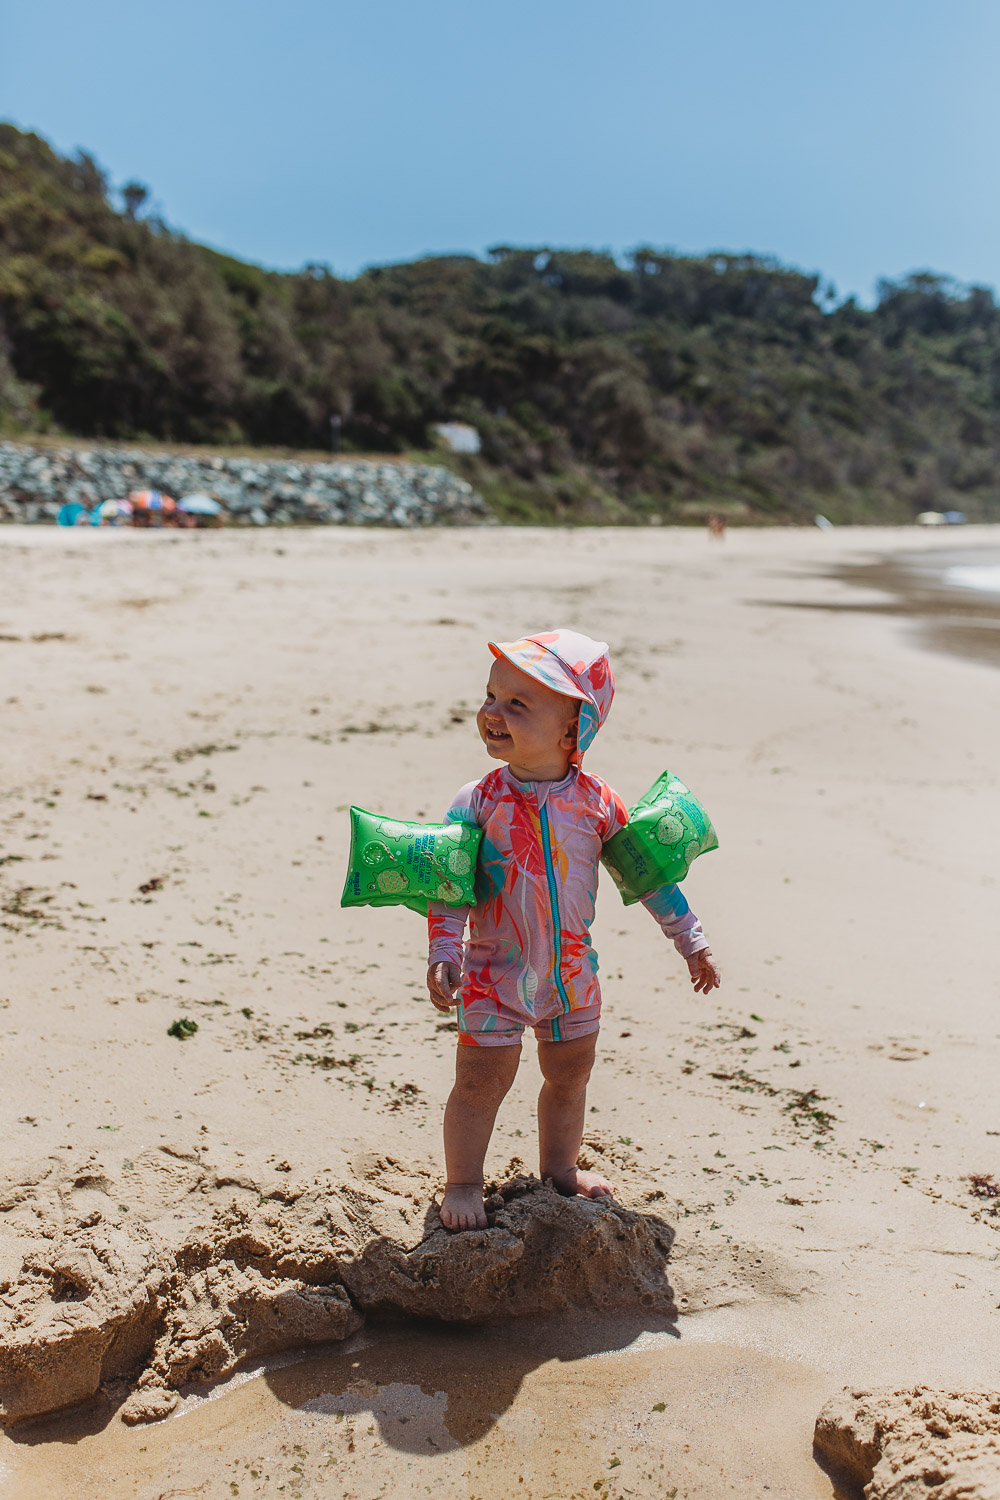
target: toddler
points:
(528, 960)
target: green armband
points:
(666, 831)
(409, 864)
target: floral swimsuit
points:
(528, 960)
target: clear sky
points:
(858, 138)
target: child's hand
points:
(704, 972)
(442, 982)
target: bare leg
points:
(482, 1077)
(566, 1069)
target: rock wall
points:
(36, 480)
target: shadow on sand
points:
(432, 1388)
(429, 1387)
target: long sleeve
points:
(445, 932)
(446, 924)
(671, 913)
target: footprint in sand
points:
(898, 1052)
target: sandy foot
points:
(586, 1184)
(462, 1206)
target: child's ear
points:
(568, 741)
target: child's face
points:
(527, 724)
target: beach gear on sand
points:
(111, 513)
(407, 864)
(152, 500)
(666, 831)
(570, 664)
(199, 505)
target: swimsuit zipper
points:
(550, 875)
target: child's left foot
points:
(462, 1206)
(586, 1184)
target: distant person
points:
(717, 527)
(528, 961)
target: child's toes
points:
(462, 1208)
(594, 1185)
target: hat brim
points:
(540, 664)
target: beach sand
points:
(186, 720)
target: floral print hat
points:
(570, 664)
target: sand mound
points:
(99, 1298)
(901, 1445)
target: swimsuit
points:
(528, 960)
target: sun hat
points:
(571, 664)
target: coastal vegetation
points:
(658, 386)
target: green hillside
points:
(602, 390)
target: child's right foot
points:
(462, 1206)
(587, 1184)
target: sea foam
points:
(974, 577)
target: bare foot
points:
(587, 1184)
(462, 1206)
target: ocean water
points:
(984, 577)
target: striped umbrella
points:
(152, 500)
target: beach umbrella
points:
(108, 509)
(199, 505)
(151, 500)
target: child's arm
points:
(446, 924)
(669, 909)
(446, 931)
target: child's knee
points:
(566, 1067)
(569, 1085)
(485, 1073)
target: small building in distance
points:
(458, 437)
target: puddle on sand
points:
(475, 1414)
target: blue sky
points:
(855, 139)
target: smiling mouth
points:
(497, 734)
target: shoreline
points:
(952, 614)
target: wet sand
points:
(473, 1413)
(940, 590)
(186, 720)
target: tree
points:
(134, 195)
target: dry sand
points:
(186, 719)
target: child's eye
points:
(517, 703)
